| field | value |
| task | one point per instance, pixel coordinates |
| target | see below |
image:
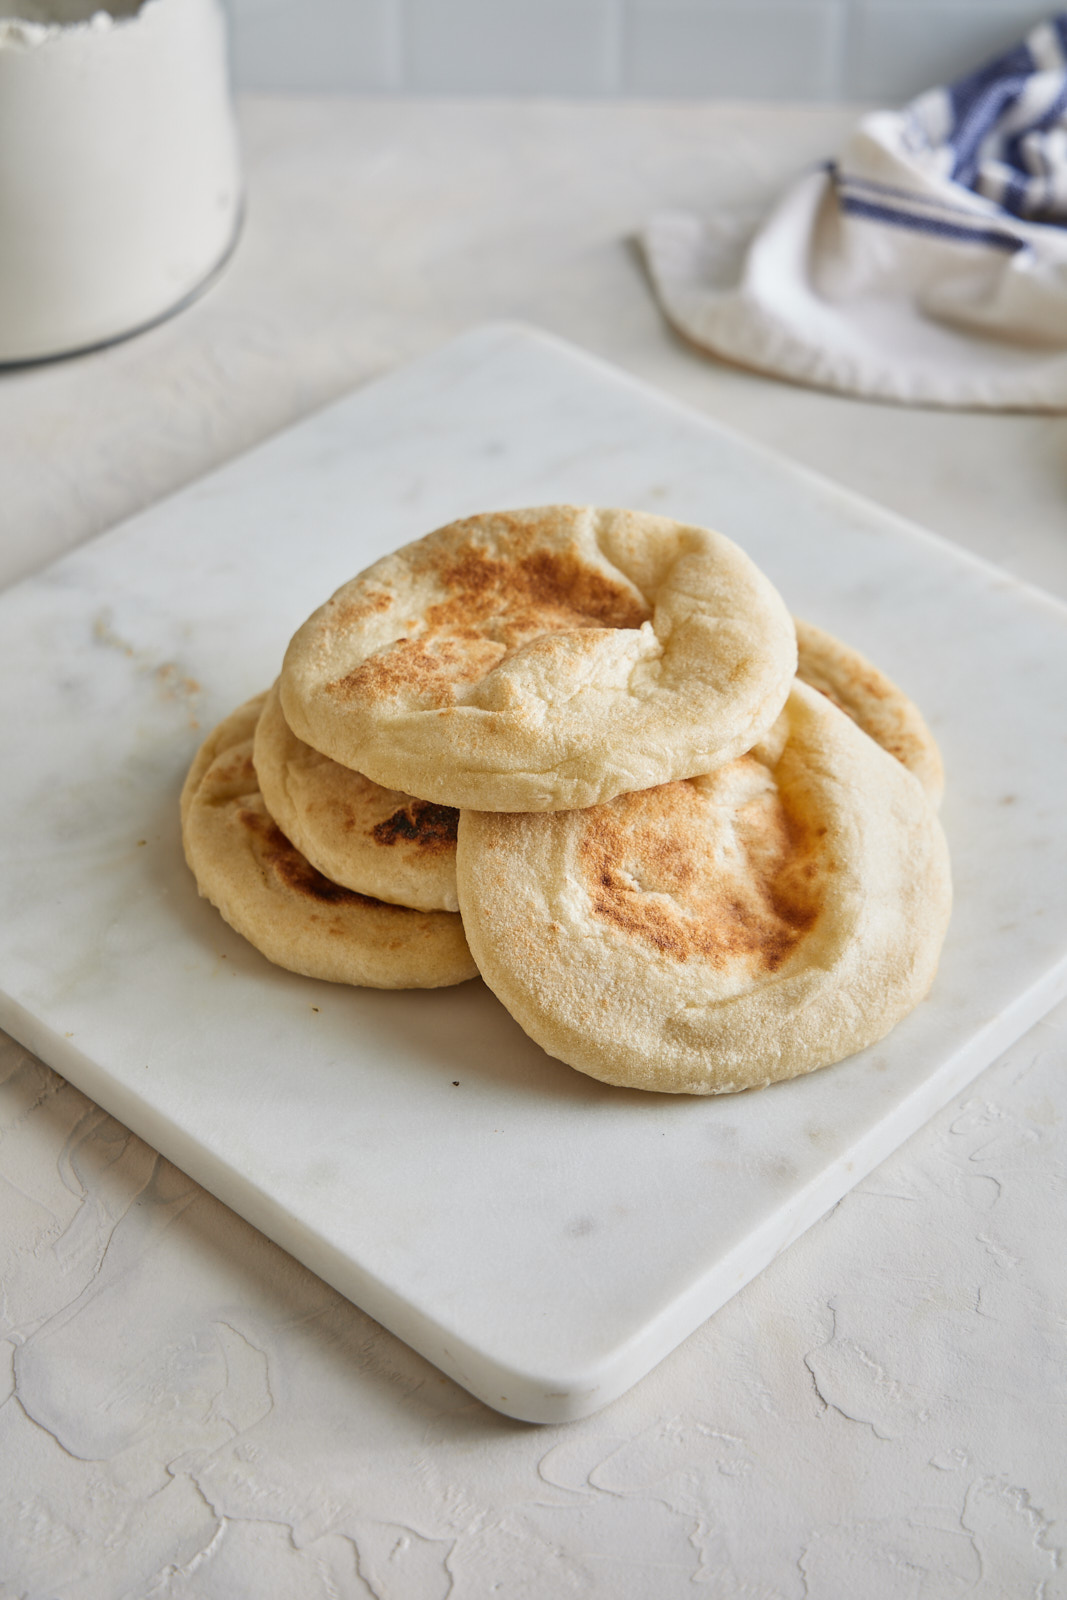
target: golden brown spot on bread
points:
(672, 869)
(432, 668)
(274, 852)
(873, 684)
(828, 694)
(351, 613)
(897, 741)
(539, 591)
(234, 766)
(430, 828)
(490, 605)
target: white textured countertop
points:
(191, 1414)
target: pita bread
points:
(543, 659)
(272, 895)
(873, 701)
(239, 725)
(374, 840)
(721, 933)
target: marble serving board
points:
(540, 1237)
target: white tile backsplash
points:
(897, 48)
(879, 50)
(509, 46)
(690, 47)
(316, 44)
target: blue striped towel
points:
(927, 263)
(1000, 132)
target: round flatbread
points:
(873, 701)
(377, 841)
(239, 725)
(721, 933)
(543, 659)
(272, 895)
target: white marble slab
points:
(540, 1237)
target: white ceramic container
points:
(120, 189)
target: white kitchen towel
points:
(927, 265)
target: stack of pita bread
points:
(691, 844)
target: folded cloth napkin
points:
(928, 264)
